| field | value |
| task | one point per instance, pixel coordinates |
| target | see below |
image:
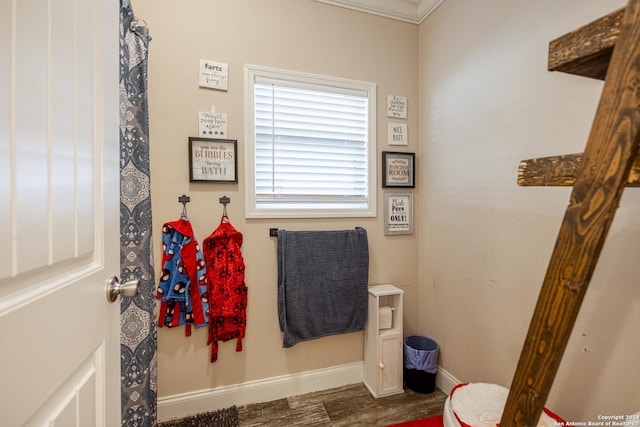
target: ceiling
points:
(413, 11)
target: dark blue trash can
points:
(420, 363)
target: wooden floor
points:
(345, 406)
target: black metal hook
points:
(224, 200)
(184, 199)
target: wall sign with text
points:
(396, 107)
(214, 75)
(212, 124)
(398, 169)
(398, 213)
(397, 134)
(213, 160)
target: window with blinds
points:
(312, 145)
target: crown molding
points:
(412, 11)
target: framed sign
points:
(213, 160)
(398, 213)
(398, 169)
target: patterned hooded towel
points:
(227, 290)
(182, 288)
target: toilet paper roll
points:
(385, 317)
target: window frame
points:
(253, 72)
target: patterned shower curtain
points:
(138, 332)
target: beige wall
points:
(487, 102)
(300, 35)
(482, 243)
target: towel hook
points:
(184, 199)
(225, 201)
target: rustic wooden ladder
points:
(609, 163)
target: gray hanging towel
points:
(322, 283)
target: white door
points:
(59, 211)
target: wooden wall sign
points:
(213, 160)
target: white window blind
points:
(311, 147)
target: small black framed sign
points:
(213, 160)
(398, 169)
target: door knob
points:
(114, 288)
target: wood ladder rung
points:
(587, 50)
(561, 171)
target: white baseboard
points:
(182, 405)
(445, 381)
